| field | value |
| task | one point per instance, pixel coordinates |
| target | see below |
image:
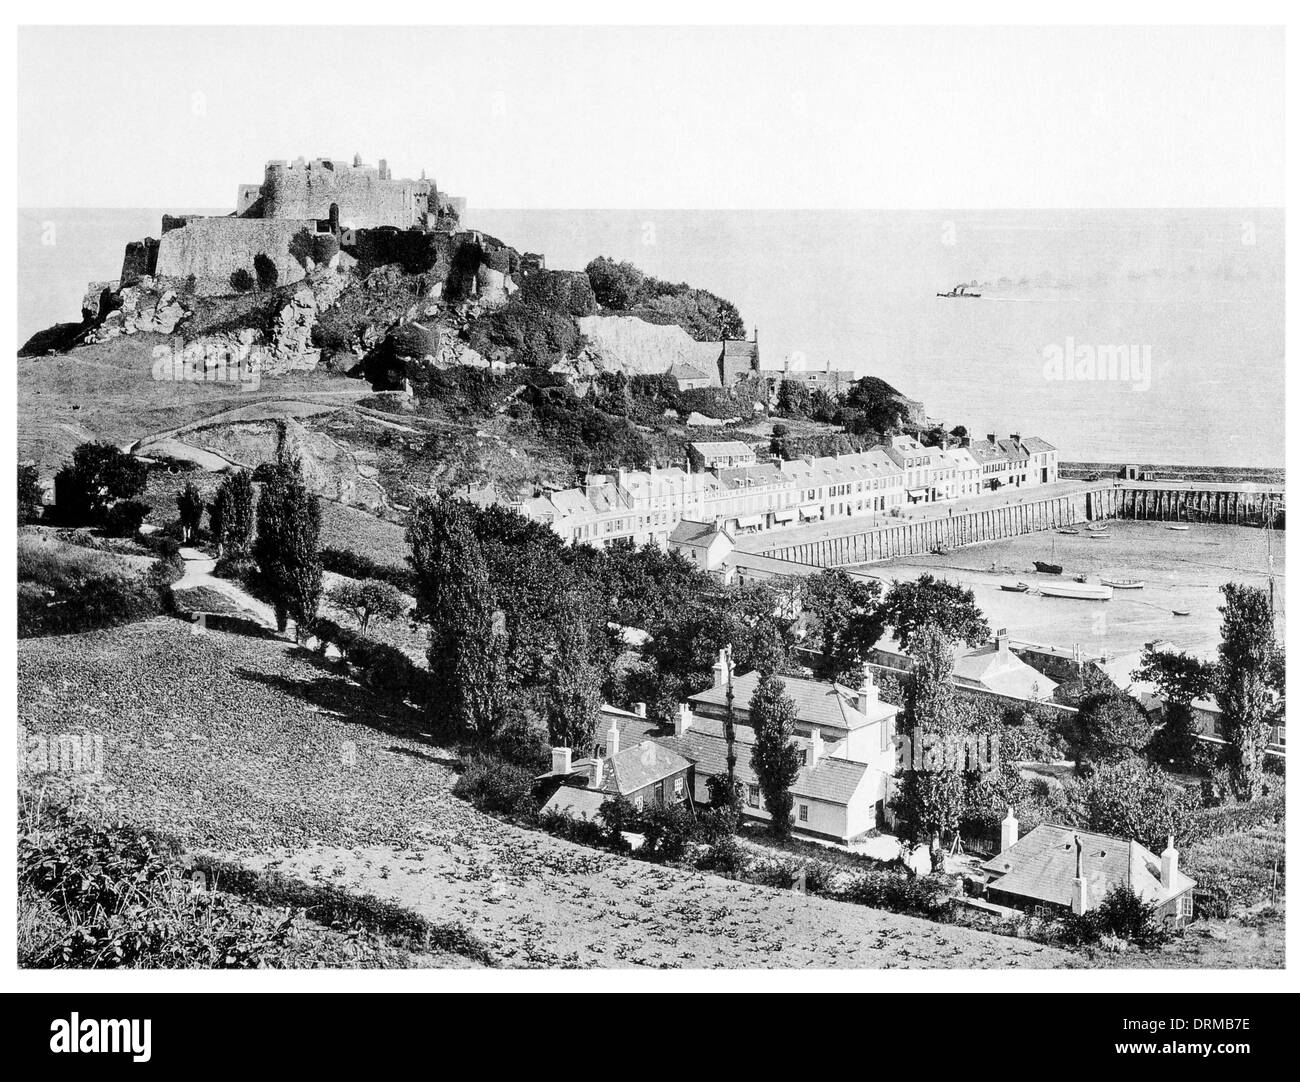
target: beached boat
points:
(1068, 530)
(1182, 612)
(1098, 527)
(1047, 569)
(1100, 536)
(1124, 584)
(1078, 591)
(1177, 526)
(1016, 587)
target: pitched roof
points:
(576, 801)
(984, 451)
(723, 447)
(632, 728)
(1041, 865)
(833, 781)
(1037, 444)
(636, 767)
(696, 534)
(824, 705)
(1001, 671)
(1014, 450)
(680, 370)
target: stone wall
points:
(366, 197)
(212, 249)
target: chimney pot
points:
(814, 748)
(1010, 830)
(639, 709)
(597, 773)
(561, 760)
(1168, 865)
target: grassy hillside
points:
(254, 751)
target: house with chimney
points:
(846, 744)
(646, 773)
(705, 545)
(1055, 870)
(996, 669)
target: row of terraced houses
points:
(726, 483)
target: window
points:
(679, 788)
(803, 813)
(753, 796)
(659, 792)
(638, 802)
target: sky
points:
(627, 117)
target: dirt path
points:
(198, 575)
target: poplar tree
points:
(189, 502)
(932, 790)
(230, 516)
(775, 759)
(286, 549)
(1245, 693)
(467, 634)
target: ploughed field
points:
(258, 752)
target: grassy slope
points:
(248, 747)
(107, 391)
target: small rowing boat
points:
(1015, 588)
(1078, 591)
(1068, 530)
(1182, 612)
(1177, 526)
(1124, 584)
(1046, 568)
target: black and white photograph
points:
(708, 506)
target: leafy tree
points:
(572, 697)
(230, 516)
(616, 285)
(189, 502)
(99, 475)
(1247, 676)
(368, 600)
(30, 498)
(932, 799)
(467, 657)
(125, 518)
(1111, 726)
(846, 617)
(1131, 799)
(241, 281)
(946, 606)
(268, 274)
(1181, 679)
(286, 549)
(881, 406)
(775, 759)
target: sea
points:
(1181, 571)
(1149, 336)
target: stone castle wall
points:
(212, 249)
(366, 197)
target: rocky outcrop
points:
(143, 308)
(290, 347)
(631, 345)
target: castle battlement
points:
(350, 194)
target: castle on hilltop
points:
(302, 215)
(355, 196)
